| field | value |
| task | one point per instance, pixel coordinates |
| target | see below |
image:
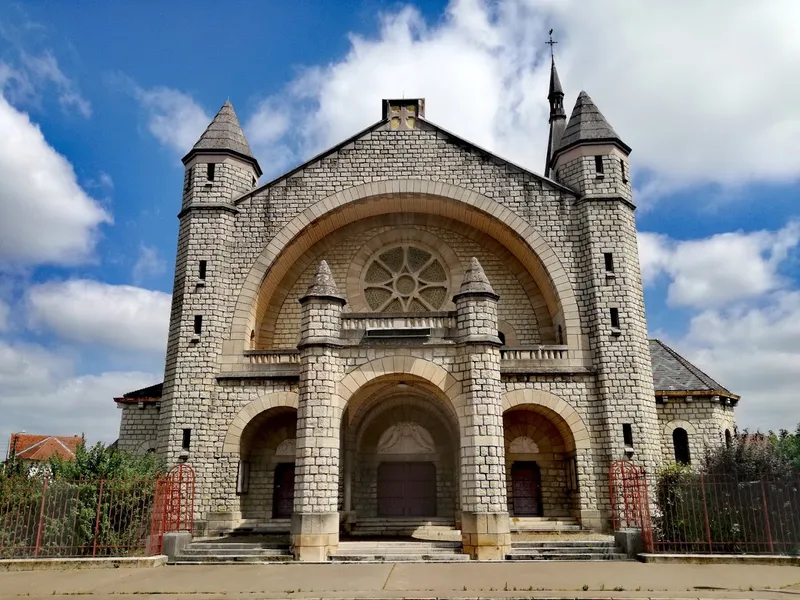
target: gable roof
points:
(672, 372)
(151, 393)
(587, 124)
(27, 446)
(425, 125)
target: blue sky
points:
(100, 101)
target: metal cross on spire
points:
(551, 43)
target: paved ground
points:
(465, 580)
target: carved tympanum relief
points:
(406, 437)
(523, 445)
(286, 448)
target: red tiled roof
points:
(27, 446)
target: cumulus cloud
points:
(148, 264)
(721, 269)
(42, 394)
(173, 117)
(672, 77)
(47, 216)
(92, 312)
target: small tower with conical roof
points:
(558, 118)
(218, 169)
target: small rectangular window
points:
(615, 318)
(609, 260)
(187, 183)
(627, 435)
(202, 273)
(243, 478)
(598, 164)
(198, 324)
(622, 168)
(187, 439)
(210, 171)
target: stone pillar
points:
(315, 521)
(484, 502)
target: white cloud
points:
(92, 312)
(755, 352)
(24, 83)
(47, 217)
(722, 269)
(173, 117)
(148, 264)
(39, 393)
(673, 78)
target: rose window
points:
(405, 279)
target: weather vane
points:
(551, 43)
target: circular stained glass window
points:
(405, 279)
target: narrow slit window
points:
(187, 439)
(615, 318)
(609, 261)
(680, 442)
(211, 171)
(188, 181)
(622, 168)
(202, 270)
(627, 435)
(598, 164)
(198, 324)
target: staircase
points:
(269, 527)
(543, 524)
(395, 551)
(231, 551)
(428, 529)
(584, 550)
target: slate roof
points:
(28, 446)
(555, 81)
(224, 133)
(672, 372)
(587, 124)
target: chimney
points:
(403, 114)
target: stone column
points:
(315, 521)
(484, 503)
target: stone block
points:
(629, 541)
(174, 542)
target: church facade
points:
(410, 327)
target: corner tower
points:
(218, 169)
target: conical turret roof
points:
(475, 279)
(555, 81)
(323, 283)
(587, 124)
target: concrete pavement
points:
(417, 580)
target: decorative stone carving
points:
(405, 278)
(406, 438)
(523, 445)
(286, 448)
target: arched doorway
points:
(265, 483)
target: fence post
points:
(766, 518)
(41, 520)
(97, 519)
(705, 513)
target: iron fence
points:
(42, 517)
(724, 515)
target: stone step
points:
(585, 556)
(234, 552)
(236, 545)
(434, 557)
(564, 544)
(229, 559)
(551, 527)
(576, 550)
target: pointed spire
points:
(555, 90)
(588, 125)
(323, 283)
(475, 280)
(224, 134)
(558, 118)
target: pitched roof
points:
(587, 124)
(224, 133)
(151, 393)
(28, 446)
(672, 372)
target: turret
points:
(590, 157)
(558, 118)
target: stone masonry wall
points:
(138, 428)
(705, 422)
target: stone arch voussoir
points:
(266, 402)
(675, 424)
(562, 408)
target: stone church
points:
(409, 328)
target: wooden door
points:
(526, 485)
(406, 489)
(283, 491)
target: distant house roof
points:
(150, 393)
(27, 446)
(673, 373)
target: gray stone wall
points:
(705, 421)
(138, 428)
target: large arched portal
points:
(401, 452)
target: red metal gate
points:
(173, 506)
(630, 501)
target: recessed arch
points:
(570, 422)
(266, 402)
(408, 195)
(675, 423)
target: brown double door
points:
(406, 489)
(526, 486)
(283, 492)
